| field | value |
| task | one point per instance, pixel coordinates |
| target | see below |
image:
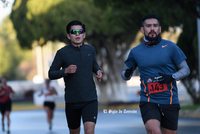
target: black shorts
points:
(87, 110)
(167, 114)
(49, 104)
(5, 106)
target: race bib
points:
(154, 86)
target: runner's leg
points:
(73, 115)
(169, 123)
(167, 131)
(153, 126)
(75, 131)
(7, 113)
(2, 120)
(89, 115)
(89, 127)
(48, 111)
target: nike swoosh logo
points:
(164, 46)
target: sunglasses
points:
(80, 31)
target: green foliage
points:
(190, 107)
(188, 43)
(171, 13)
(10, 53)
(49, 19)
(109, 24)
(131, 12)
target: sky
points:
(4, 11)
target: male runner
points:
(157, 60)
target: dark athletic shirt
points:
(80, 86)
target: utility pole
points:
(198, 33)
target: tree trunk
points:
(111, 60)
(192, 86)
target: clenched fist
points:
(71, 69)
(99, 75)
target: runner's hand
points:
(166, 78)
(71, 69)
(128, 72)
(99, 75)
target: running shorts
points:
(87, 110)
(167, 114)
(5, 106)
(49, 104)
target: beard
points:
(152, 38)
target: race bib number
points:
(154, 86)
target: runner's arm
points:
(55, 71)
(183, 71)
(127, 72)
(41, 93)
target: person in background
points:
(49, 103)
(76, 63)
(161, 63)
(5, 102)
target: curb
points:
(189, 113)
(33, 107)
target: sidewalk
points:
(189, 113)
(32, 107)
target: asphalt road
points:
(126, 121)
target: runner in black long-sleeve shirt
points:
(76, 63)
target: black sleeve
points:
(55, 71)
(95, 64)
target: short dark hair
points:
(4, 77)
(74, 22)
(150, 16)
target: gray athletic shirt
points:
(80, 86)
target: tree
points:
(111, 29)
(11, 54)
(173, 13)
(48, 23)
(188, 42)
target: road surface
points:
(124, 121)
